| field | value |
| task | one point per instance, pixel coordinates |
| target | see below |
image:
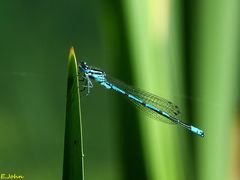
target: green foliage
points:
(184, 51)
(73, 167)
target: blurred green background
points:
(184, 51)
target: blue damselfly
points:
(157, 107)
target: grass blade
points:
(73, 165)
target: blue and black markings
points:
(100, 77)
(149, 106)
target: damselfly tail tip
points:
(197, 131)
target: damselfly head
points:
(83, 66)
